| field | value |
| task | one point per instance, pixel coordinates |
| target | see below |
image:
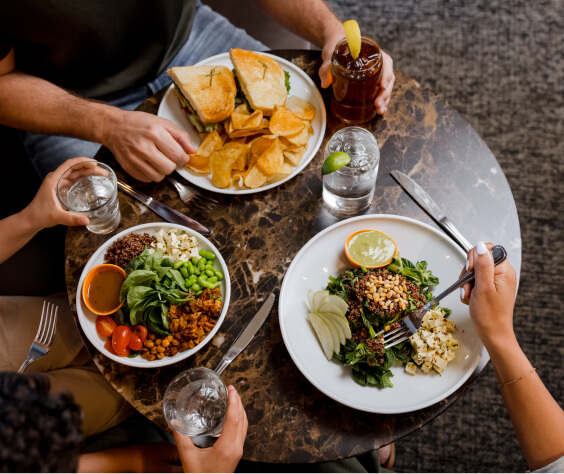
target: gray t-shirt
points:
(95, 47)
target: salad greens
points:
(151, 286)
(371, 366)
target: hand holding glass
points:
(90, 188)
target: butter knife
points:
(246, 335)
(166, 212)
(430, 206)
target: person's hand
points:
(386, 83)
(146, 146)
(492, 297)
(224, 455)
(45, 210)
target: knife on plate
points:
(431, 207)
(246, 335)
(166, 212)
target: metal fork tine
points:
(52, 325)
(397, 342)
(42, 322)
(397, 336)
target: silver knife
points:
(166, 212)
(425, 201)
(246, 335)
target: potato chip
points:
(242, 109)
(309, 127)
(241, 163)
(243, 121)
(260, 144)
(302, 108)
(294, 157)
(199, 164)
(221, 163)
(238, 179)
(281, 174)
(272, 159)
(212, 142)
(300, 138)
(284, 122)
(255, 178)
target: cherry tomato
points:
(141, 331)
(105, 326)
(135, 342)
(120, 338)
(108, 347)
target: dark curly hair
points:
(39, 432)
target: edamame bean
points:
(209, 266)
(190, 267)
(176, 265)
(219, 275)
(184, 272)
(190, 281)
(199, 292)
(212, 279)
(210, 273)
(194, 260)
(215, 285)
(201, 264)
(185, 264)
(204, 283)
(195, 288)
(204, 277)
(207, 255)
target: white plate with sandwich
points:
(213, 107)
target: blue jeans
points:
(211, 34)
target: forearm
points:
(537, 418)
(313, 20)
(33, 104)
(15, 231)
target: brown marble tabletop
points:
(290, 421)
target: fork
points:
(410, 323)
(192, 197)
(44, 337)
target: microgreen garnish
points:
(211, 74)
(265, 66)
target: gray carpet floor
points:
(501, 65)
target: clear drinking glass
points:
(350, 189)
(90, 188)
(195, 403)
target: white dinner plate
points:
(301, 86)
(87, 318)
(324, 255)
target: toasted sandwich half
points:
(206, 93)
(263, 81)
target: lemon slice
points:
(352, 31)
(370, 248)
(334, 162)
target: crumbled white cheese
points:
(175, 244)
(433, 345)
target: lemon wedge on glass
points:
(352, 32)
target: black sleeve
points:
(5, 47)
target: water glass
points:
(195, 403)
(90, 188)
(350, 189)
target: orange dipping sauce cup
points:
(100, 289)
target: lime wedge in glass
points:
(334, 162)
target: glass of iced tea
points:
(356, 82)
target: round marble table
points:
(289, 420)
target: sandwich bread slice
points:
(262, 80)
(206, 93)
